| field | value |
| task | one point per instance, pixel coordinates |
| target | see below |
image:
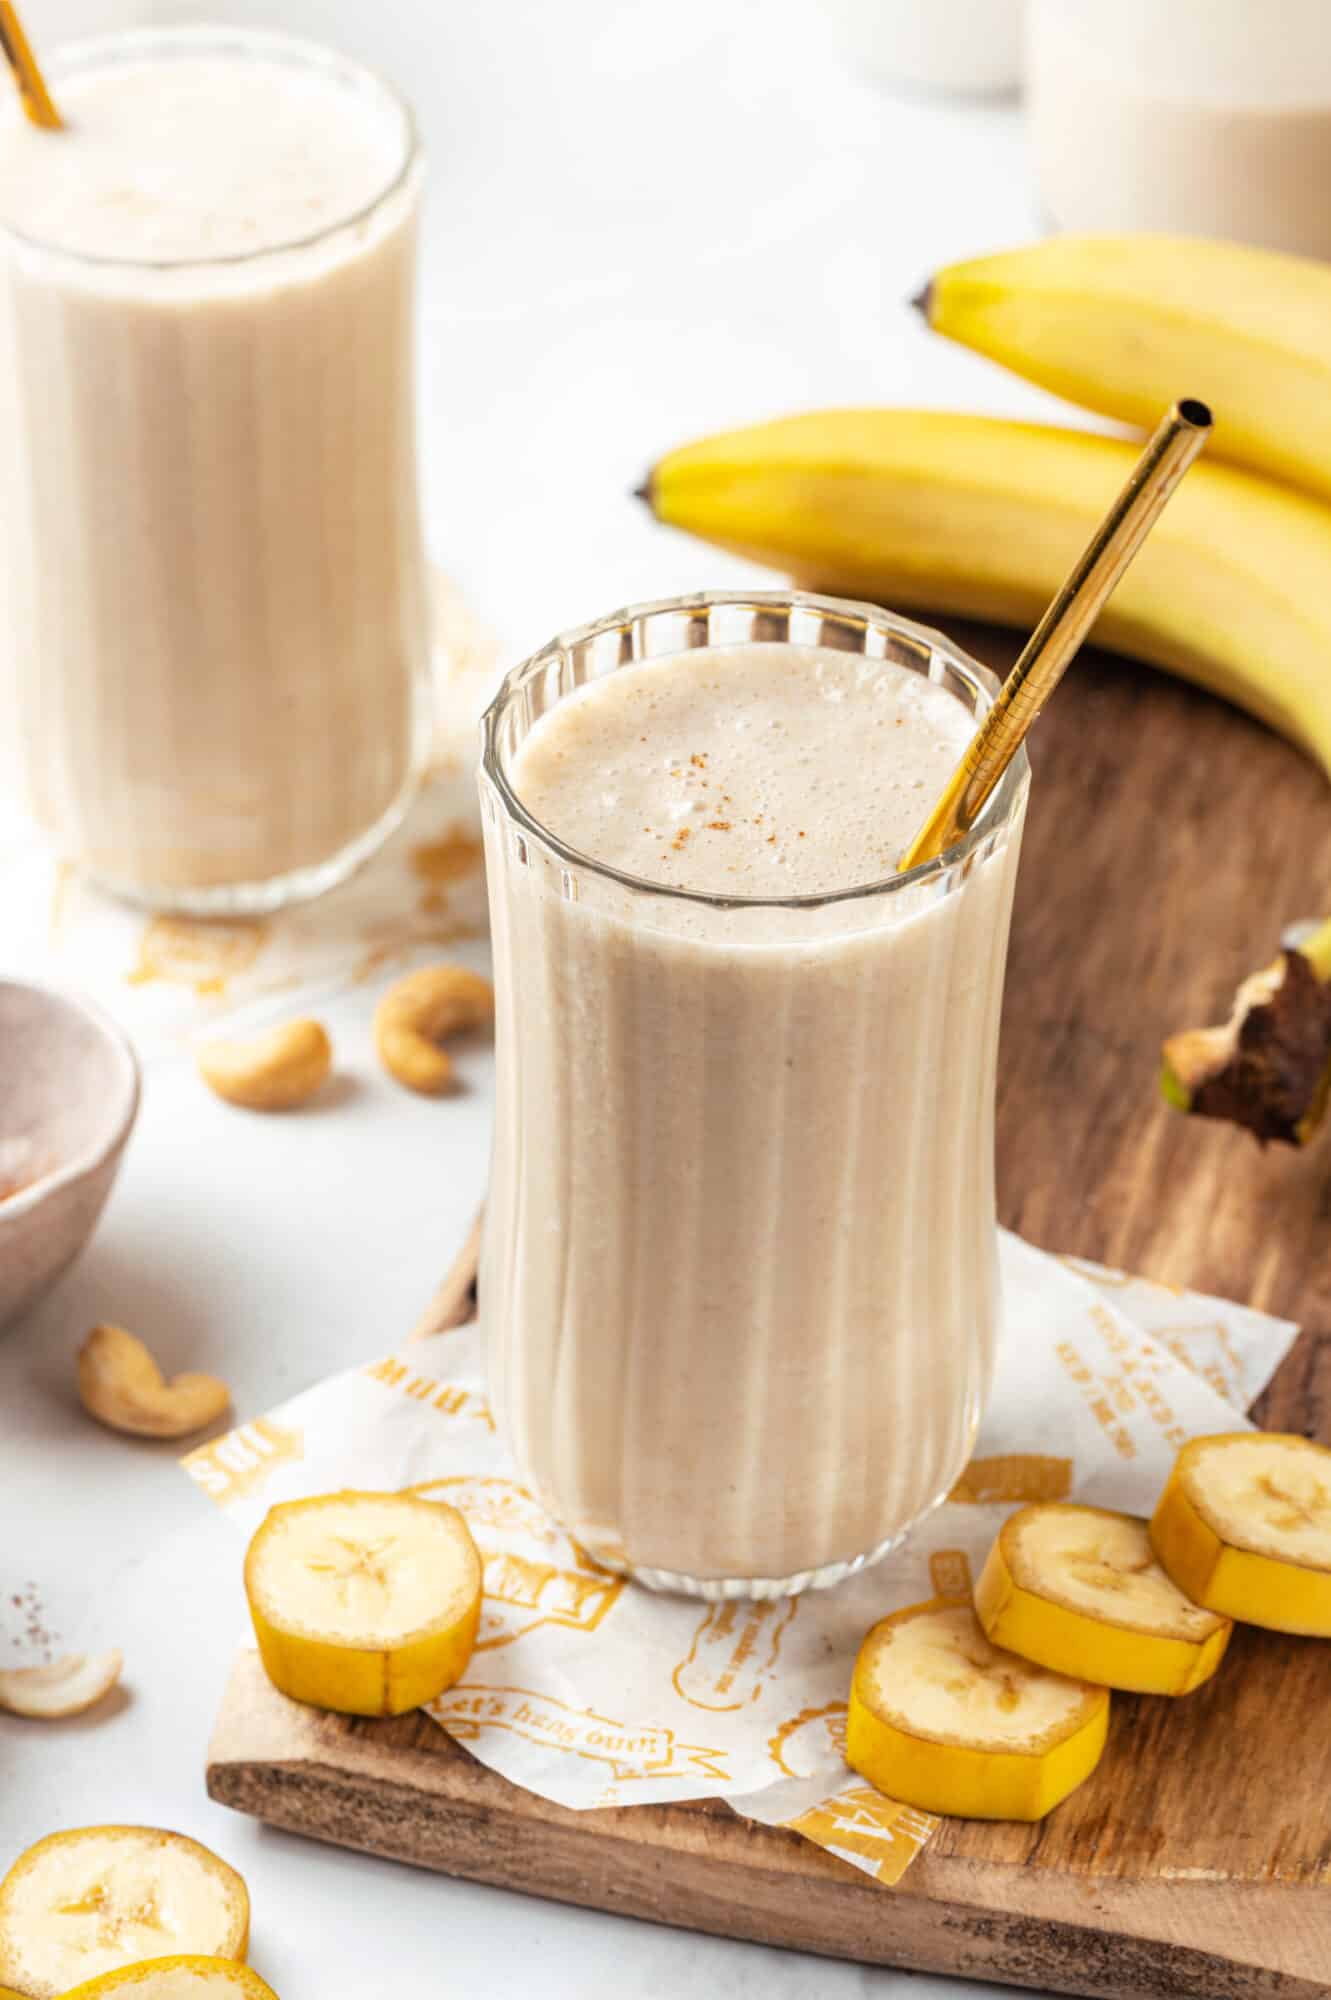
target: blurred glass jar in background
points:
(213, 669)
(969, 46)
(1199, 117)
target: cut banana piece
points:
(364, 1602)
(87, 1902)
(65, 1687)
(1079, 1590)
(1244, 1527)
(178, 1979)
(941, 1719)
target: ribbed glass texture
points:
(739, 1274)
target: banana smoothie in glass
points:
(212, 616)
(739, 1277)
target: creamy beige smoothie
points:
(212, 625)
(739, 1277)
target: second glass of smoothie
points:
(739, 1275)
(213, 640)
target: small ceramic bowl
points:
(69, 1090)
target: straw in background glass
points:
(31, 83)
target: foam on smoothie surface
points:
(765, 770)
(195, 157)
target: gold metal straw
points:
(31, 83)
(1049, 651)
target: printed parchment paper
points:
(593, 1692)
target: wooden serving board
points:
(1168, 841)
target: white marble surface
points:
(644, 223)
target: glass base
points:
(258, 899)
(721, 1589)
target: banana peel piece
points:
(1080, 1590)
(1268, 1067)
(185, 1977)
(83, 1903)
(366, 1603)
(942, 1719)
(1244, 1528)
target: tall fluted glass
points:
(213, 645)
(739, 1278)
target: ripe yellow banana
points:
(1116, 323)
(941, 1719)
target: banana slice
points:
(1244, 1527)
(178, 1979)
(87, 1902)
(941, 1719)
(65, 1687)
(1079, 1590)
(364, 1602)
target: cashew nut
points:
(122, 1386)
(65, 1687)
(274, 1071)
(422, 1010)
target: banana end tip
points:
(923, 300)
(646, 492)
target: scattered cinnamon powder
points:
(35, 1632)
(718, 825)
